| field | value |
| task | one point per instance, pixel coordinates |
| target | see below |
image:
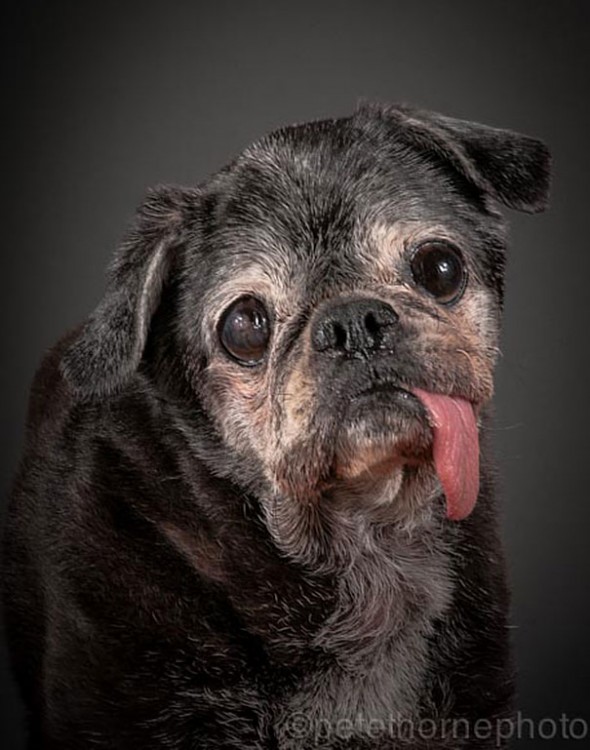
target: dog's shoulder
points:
(50, 396)
(57, 408)
(65, 432)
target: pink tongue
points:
(455, 450)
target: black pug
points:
(246, 513)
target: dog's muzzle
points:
(365, 328)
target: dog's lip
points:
(406, 391)
(385, 386)
(390, 388)
(413, 425)
(387, 393)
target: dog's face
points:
(338, 291)
(339, 281)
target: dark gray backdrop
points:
(102, 100)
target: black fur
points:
(128, 634)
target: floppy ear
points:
(110, 345)
(512, 168)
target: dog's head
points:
(333, 301)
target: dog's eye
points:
(244, 330)
(439, 269)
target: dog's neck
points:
(389, 576)
(396, 584)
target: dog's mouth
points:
(388, 426)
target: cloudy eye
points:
(244, 330)
(440, 270)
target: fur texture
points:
(203, 554)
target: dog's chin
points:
(384, 443)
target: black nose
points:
(353, 326)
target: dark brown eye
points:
(244, 330)
(439, 269)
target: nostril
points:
(372, 325)
(340, 336)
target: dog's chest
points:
(377, 652)
(336, 704)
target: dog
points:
(256, 503)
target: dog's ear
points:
(511, 167)
(111, 343)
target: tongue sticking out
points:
(455, 450)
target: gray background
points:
(102, 100)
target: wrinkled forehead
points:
(317, 207)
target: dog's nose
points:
(352, 326)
